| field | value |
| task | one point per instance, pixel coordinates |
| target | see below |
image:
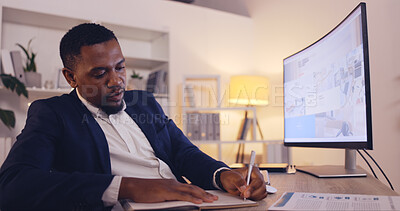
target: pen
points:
(252, 159)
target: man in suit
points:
(98, 144)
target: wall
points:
(202, 40)
(234, 6)
(284, 27)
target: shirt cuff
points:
(215, 173)
(110, 195)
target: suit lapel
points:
(145, 125)
(138, 109)
(96, 131)
(138, 113)
(145, 120)
(102, 145)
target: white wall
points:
(202, 40)
(284, 27)
(235, 6)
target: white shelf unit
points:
(187, 109)
(145, 49)
(126, 34)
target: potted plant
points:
(12, 83)
(33, 78)
(136, 81)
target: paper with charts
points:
(326, 201)
(225, 200)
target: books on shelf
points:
(189, 95)
(203, 126)
(225, 200)
(157, 82)
(210, 127)
(204, 135)
(216, 126)
(193, 126)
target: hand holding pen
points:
(235, 182)
(250, 169)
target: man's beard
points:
(112, 109)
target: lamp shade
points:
(249, 90)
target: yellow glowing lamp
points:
(249, 90)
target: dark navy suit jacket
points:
(61, 158)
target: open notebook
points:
(225, 200)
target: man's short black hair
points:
(86, 34)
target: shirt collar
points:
(97, 112)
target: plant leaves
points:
(21, 89)
(8, 118)
(8, 82)
(29, 43)
(136, 75)
(30, 65)
(25, 51)
(12, 83)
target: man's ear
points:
(70, 77)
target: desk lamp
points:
(248, 90)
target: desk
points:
(301, 182)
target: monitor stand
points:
(349, 170)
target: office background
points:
(208, 41)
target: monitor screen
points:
(327, 99)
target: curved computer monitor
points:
(327, 101)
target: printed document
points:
(327, 201)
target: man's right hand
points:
(159, 190)
(234, 182)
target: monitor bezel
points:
(345, 145)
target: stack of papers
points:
(326, 201)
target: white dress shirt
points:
(129, 151)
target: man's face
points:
(100, 75)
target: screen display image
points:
(326, 89)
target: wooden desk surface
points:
(301, 182)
